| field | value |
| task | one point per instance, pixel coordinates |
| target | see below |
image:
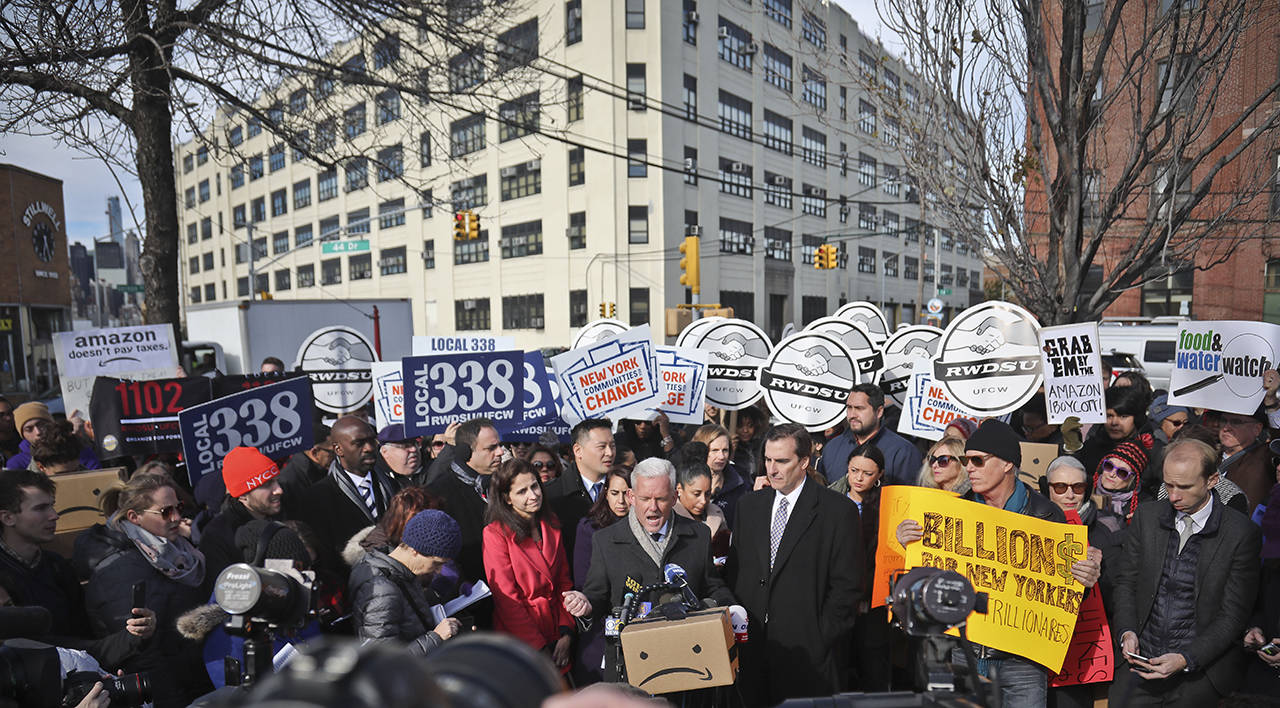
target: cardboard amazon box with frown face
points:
(663, 656)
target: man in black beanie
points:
(992, 456)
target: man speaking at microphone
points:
(629, 555)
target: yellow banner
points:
(1022, 563)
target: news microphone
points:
(677, 578)
(24, 622)
(628, 602)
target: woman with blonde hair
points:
(728, 483)
(943, 467)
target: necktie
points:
(1184, 531)
(595, 490)
(656, 536)
(775, 530)
(366, 491)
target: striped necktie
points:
(366, 491)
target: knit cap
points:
(996, 438)
(245, 469)
(432, 532)
(1161, 409)
(29, 411)
(1132, 452)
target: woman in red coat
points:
(525, 563)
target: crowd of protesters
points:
(1182, 509)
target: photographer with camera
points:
(388, 590)
(33, 577)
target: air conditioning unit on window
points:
(692, 230)
(737, 167)
(507, 171)
(692, 17)
(751, 48)
(778, 181)
(690, 164)
(724, 33)
(812, 191)
(468, 304)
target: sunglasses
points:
(437, 444)
(1113, 468)
(942, 460)
(167, 512)
(977, 460)
(1236, 422)
(539, 464)
(1061, 487)
(1175, 423)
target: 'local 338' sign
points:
(275, 418)
(452, 388)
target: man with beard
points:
(253, 492)
(864, 411)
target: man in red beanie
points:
(253, 492)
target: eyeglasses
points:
(1236, 422)
(1113, 468)
(168, 512)
(1175, 423)
(977, 460)
(942, 460)
(1061, 487)
(539, 464)
(437, 444)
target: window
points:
(391, 213)
(519, 117)
(815, 89)
(577, 308)
(327, 185)
(326, 135)
(386, 106)
(425, 197)
(777, 244)
(358, 221)
(813, 30)
(577, 166)
(523, 312)
(521, 180)
(202, 155)
(691, 165)
(211, 291)
(354, 65)
(1177, 91)
(635, 14)
(736, 238)
(330, 228)
(743, 303)
(207, 260)
(636, 87)
(779, 11)
(892, 133)
(891, 82)
(390, 163)
(470, 193)
(236, 136)
(302, 236)
(574, 99)
(866, 117)
(279, 243)
(242, 287)
(911, 230)
(866, 259)
(298, 101)
(307, 275)
(638, 305)
(471, 315)
(238, 216)
(519, 240)
(275, 157)
(866, 170)
(466, 69)
(195, 294)
(188, 163)
(777, 132)
(204, 191)
(735, 178)
(476, 251)
(189, 198)
(638, 224)
(690, 96)
(890, 265)
(258, 209)
(353, 121)
(910, 268)
(573, 22)
(577, 231)
(466, 135)
(889, 222)
(637, 154)
(1092, 201)
(330, 271)
(462, 10)
(777, 67)
(280, 202)
(735, 45)
(948, 242)
(206, 228)
(518, 46)
(1167, 175)
(193, 265)
(813, 147)
(777, 190)
(386, 52)
(892, 181)
(962, 277)
(323, 88)
(690, 25)
(944, 278)
(813, 200)
(255, 167)
(735, 115)
(866, 66)
(867, 216)
(360, 266)
(357, 171)
(424, 149)
(429, 254)
(283, 280)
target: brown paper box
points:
(77, 504)
(664, 655)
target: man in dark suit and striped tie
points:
(352, 496)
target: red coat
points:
(527, 579)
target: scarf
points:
(1118, 501)
(474, 479)
(651, 547)
(177, 560)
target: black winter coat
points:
(175, 664)
(335, 511)
(569, 500)
(218, 541)
(391, 603)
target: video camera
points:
(262, 602)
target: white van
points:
(1151, 340)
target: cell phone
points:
(1137, 657)
(140, 594)
(1270, 649)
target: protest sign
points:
(138, 353)
(1091, 655)
(337, 359)
(988, 360)
(554, 425)
(895, 505)
(457, 344)
(388, 393)
(865, 352)
(598, 331)
(276, 419)
(440, 389)
(1021, 562)
(614, 378)
(1073, 373)
(807, 378)
(903, 354)
(539, 401)
(926, 408)
(682, 383)
(736, 349)
(869, 317)
(141, 417)
(1219, 364)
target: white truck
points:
(235, 336)
(1150, 340)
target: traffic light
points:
(604, 310)
(459, 225)
(826, 257)
(691, 264)
(473, 231)
(613, 310)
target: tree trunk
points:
(154, 159)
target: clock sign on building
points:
(35, 282)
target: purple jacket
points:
(1271, 525)
(22, 460)
(582, 551)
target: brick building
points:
(35, 291)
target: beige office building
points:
(746, 122)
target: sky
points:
(86, 181)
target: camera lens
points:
(468, 668)
(129, 690)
